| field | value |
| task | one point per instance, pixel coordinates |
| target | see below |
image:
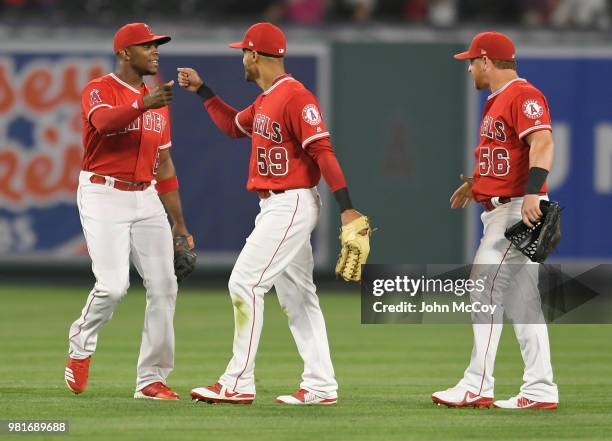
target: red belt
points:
(488, 205)
(120, 185)
(265, 194)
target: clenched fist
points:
(189, 79)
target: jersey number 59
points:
(494, 161)
(274, 161)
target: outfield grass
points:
(386, 375)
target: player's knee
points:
(116, 289)
(237, 288)
(162, 286)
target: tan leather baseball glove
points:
(354, 249)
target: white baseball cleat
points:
(520, 402)
(460, 397)
(217, 393)
(303, 396)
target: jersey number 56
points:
(494, 161)
(274, 161)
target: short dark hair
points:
(505, 64)
(263, 54)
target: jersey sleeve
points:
(166, 140)
(303, 116)
(244, 120)
(530, 113)
(96, 95)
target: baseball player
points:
(128, 178)
(290, 150)
(514, 156)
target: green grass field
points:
(386, 375)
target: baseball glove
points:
(184, 257)
(354, 249)
(538, 242)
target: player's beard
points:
(480, 84)
(150, 69)
(249, 76)
(145, 68)
(479, 81)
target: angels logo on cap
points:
(494, 45)
(264, 38)
(136, 33)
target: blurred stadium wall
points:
(402, 112)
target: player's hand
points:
(531, 210)
(347, 216)
(160, 96)
(462, 197)
(189, 79)
(180, 230)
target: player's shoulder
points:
(295, 91)
(104, 81)
(525, 88)
(298, 88)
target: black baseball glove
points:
(184, 257)
(538, 242)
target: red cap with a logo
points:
(265, 38)
(494, 45)
(136, 33)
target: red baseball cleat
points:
(459, 397)
(76, 374)
(303, 396)
(156, 391)
(217, 393)
(520, 402)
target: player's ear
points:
(125, 54)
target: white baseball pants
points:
(504, 265)
(278, 253)
(119, 225)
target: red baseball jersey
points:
(130, 154)
(502, 155)
(281, 123)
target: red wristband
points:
(166, 185)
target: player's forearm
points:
(221, 113)
(331, 171)
(172, 203)
(541, 154)
(323, 154)
(167, 189)
(540, 162)
(112, 119)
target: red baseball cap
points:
(265, 38)
(136, 33)
(494, 45)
